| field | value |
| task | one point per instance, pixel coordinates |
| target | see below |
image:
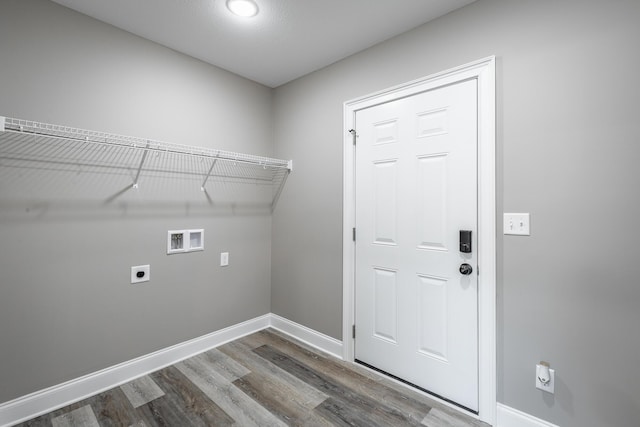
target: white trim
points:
(52, 398)
(484, 72)
(308, 336)
(510, 417)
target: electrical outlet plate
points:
(550, 386)
(140, 273)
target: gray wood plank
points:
(183, 403)
(223, 364)
(278, 401)
(413, 405)
(347, 397)
(448, 418)
(113, 409)
(81, 417)
(141, 390)
(341, 413)
(402, 391)
(364, 381)
(160, 412)
(302, 393)
(244, 410)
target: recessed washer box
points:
(180, 241)
(196, 240)
(175, 241)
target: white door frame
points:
(484, 71)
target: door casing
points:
(484, 71)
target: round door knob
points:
(466, 269)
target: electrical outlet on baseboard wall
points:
(545, 377)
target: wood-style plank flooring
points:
(264, 379)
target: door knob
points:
(466, 269)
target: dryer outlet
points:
(140, 273)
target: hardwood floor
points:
(264, 379)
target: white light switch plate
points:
(517, 224)
(224, 259)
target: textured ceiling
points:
(288, 38)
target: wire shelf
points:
(66, 157)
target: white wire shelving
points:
(58, 154)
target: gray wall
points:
(567, 153)
(66, 305)
(568, 108)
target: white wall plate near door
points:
(517, 224)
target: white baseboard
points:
(52, 398)
(510, 417)
(308, 336)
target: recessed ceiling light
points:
(244, 8)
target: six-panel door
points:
(416, 188)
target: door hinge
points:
(354, 234)
(354, 332)
(354, 135)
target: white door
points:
(416, 188)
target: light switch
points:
(516, 224)
(224, 259)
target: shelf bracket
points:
(144, 157)
(280, 187)
(206, 178)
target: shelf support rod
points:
(144, 157)
(208, 173)
(277, 196)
